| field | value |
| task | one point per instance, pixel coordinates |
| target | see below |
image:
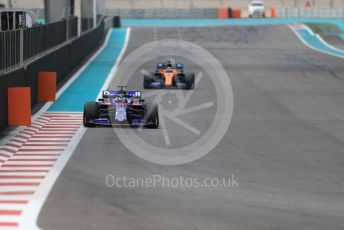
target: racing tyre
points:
(176, 79)
(146, 81)
(90, 113)
(153, 116)
(189, 79)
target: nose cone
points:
(168, 78)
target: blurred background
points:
(109, 7)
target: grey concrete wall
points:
(26, 4)
(3, 3)
(36, 6)
(101, 7)
(163, 13)
(56, 10)
(87, 8)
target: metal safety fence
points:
(9, 49)
(312, 12)
(18, 46)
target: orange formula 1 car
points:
(169, 75)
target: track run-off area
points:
(284, 144)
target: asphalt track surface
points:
(285, 144)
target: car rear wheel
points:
(189, 79)
(153, 116)
(146, 82)
(90, 113)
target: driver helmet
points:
(116, 99)
(122, 100)
(169, 64)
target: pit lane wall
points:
(62, 60)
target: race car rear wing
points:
(164, 66)
(179, 66)
(110, 93)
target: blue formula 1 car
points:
(121, 107)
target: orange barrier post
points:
(236, 13)
(273, 12)
(46, 86)
(19, 106)
(222, 13)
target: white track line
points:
(17, 189)
(8, 218)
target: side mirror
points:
(100, 99)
